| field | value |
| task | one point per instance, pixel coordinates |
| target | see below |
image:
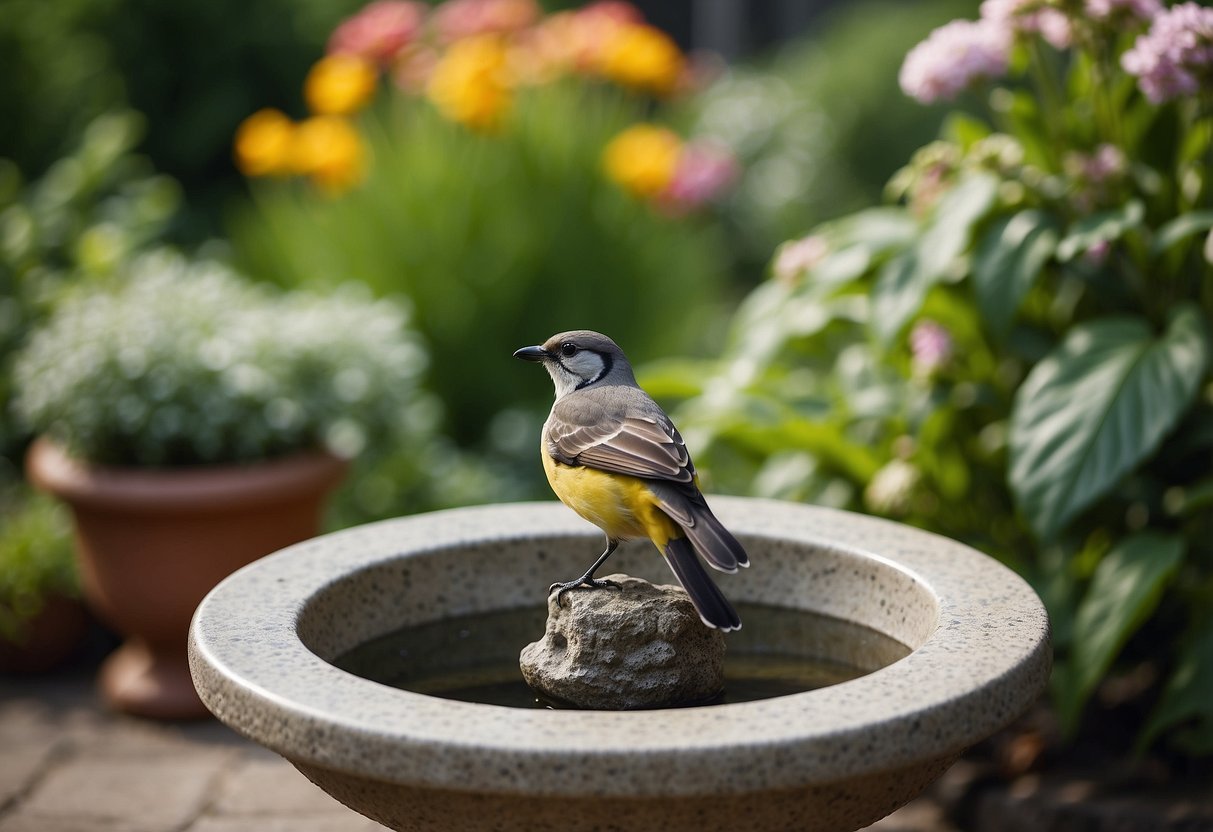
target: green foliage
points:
(36, 559)
(180, 363)
(498, 241)
(195, 68)
(1015, 354)
(90, 211)
(811, 123)
(1095, 407)
(1125, 589)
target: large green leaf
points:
(1010, 256)
(1123, 593)
(1180, 228)
(1095, 407)
(1188, 694)
(903, 283)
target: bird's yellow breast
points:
(621, 505)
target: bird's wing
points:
(625, 433)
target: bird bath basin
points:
(264, 643)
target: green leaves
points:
(904, 281)
(1186, 697)
(1123, 593)
(1010, 256)
(1101, 227)
(1097, 406)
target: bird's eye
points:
(568, 350)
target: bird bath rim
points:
(981, 657)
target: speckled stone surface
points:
(831, 759)
(639, 646)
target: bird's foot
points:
(587, 581)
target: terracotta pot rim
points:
(202, 488)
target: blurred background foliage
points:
(116, 127)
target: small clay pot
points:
(152, 542)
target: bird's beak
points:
(532, 354)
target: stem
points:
(1052, 98)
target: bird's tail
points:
(709, 601)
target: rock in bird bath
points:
(642, 646)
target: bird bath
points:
(264, 642)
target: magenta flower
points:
(953, 57)
(703, 172)
(1029, 17)
(380, 31)
(930, 347)
(1175, 56)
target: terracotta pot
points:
(152, 542)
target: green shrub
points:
(93, 209)
(180, 363)
(36, 558)
(1017, 355)
(493, 212)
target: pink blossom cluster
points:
(704, 171)
(1175, 57)
(458, 19)
(930, 347)
(953, 57)
(1140, 9)
(1029, 17)
(380, 31)
(384, 30)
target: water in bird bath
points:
(475, 658)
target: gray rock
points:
(642, 647)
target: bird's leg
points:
(587, 580)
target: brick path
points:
(66, 765)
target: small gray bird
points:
(613, 456)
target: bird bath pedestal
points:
(837, 758)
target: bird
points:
(614, 457)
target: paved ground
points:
(66, 765)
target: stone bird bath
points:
(835, 758)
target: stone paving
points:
(67, 765)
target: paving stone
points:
(259, 786)
(331, 822)
(20, 764)
(23, 821)
(158, 794)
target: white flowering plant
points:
(1016, 350)
(180, 362)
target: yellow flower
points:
(339, 85)
(471, 82)
(330, 151)
(643, 158)
(263, 143)
(641, 56)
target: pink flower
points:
(797, 257)
(380, 31)
(930, 347)
(459, 19)
(1175, 56)
(1029, 17)
(1140, 9)
(952, 58)
(703, 172)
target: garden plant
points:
(507, 171)
(1016, 350)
